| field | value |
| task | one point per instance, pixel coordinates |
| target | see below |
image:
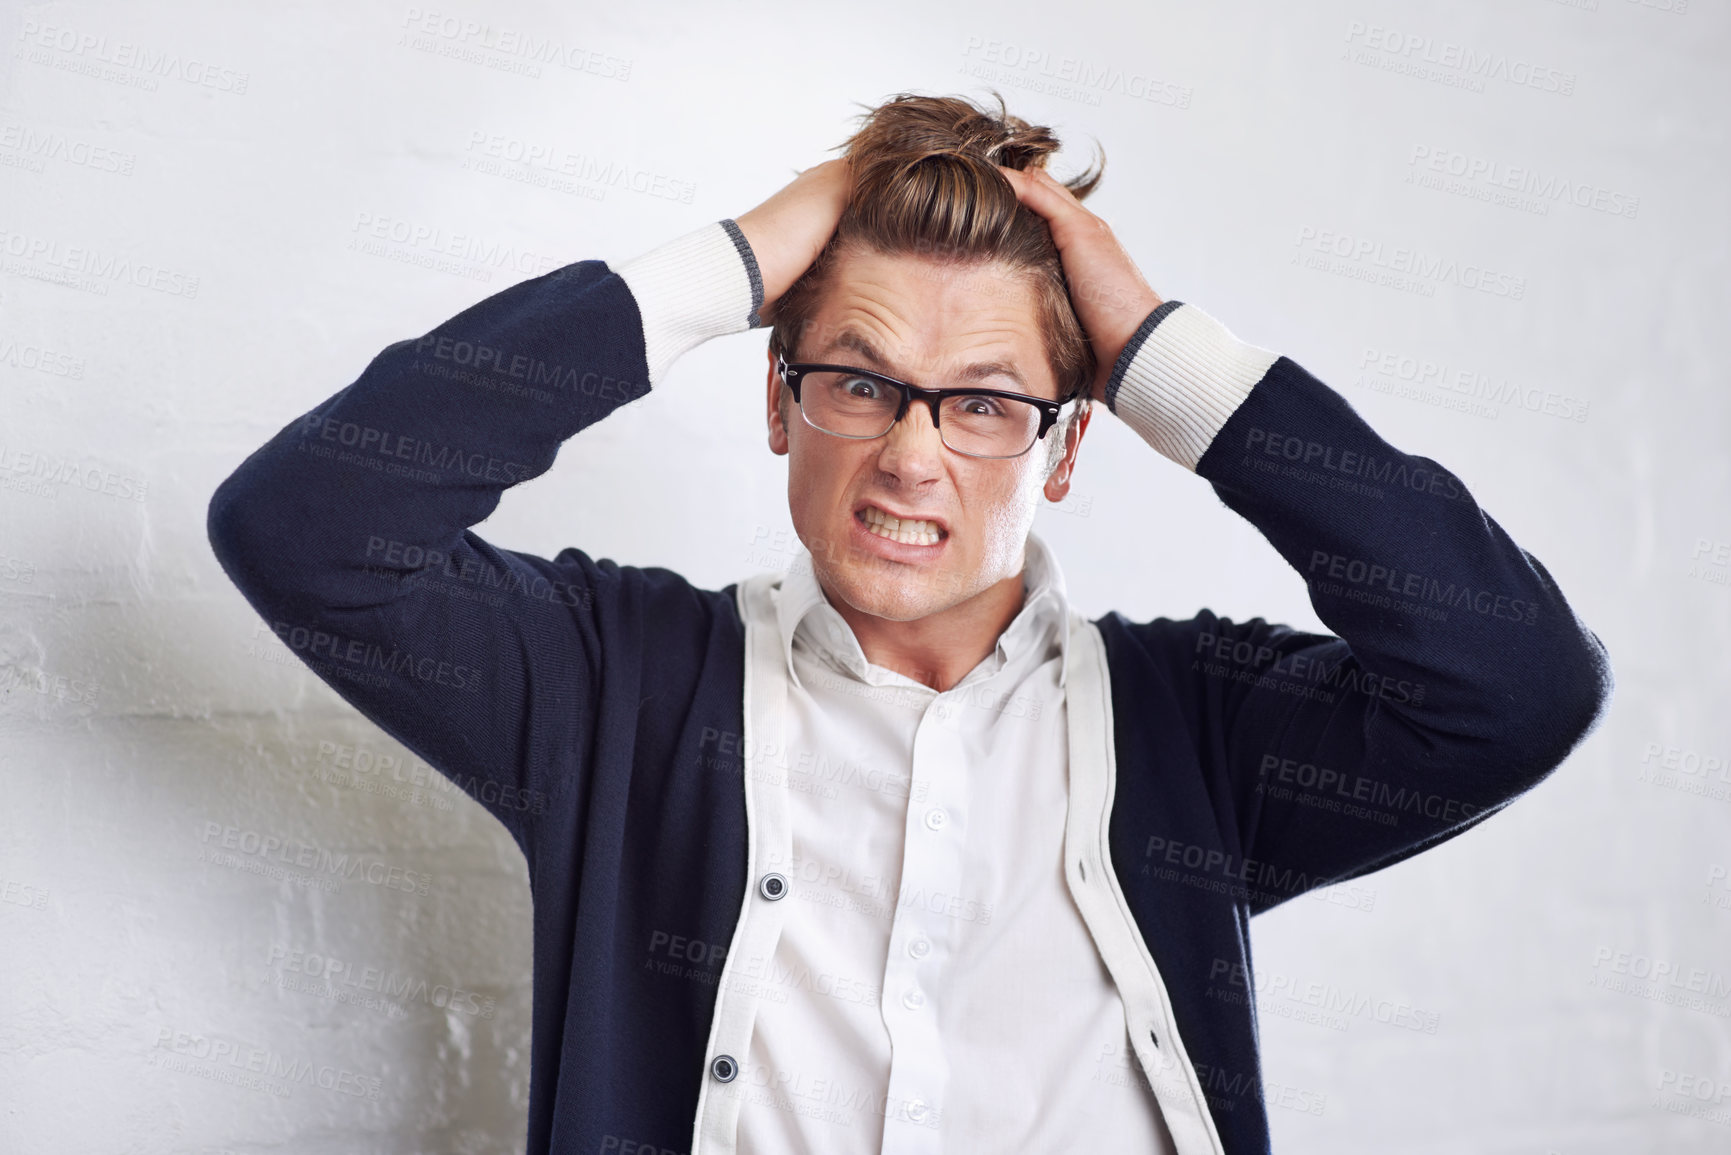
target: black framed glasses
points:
(860, 404)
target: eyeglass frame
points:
(791, 371)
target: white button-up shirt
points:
(933, 987)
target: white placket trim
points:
(1094, 884)
(769, 843)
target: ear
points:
(1058, 481)
(777, 428)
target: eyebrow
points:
(853, 341)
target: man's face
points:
(911, 318)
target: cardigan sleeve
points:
(1458, 676)
(349, 531)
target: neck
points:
(937, 650)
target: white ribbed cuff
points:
(1189, 375)
(701, 285)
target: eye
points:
(863, 388)
(974, 405)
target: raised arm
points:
(349, 530)
(1460, 676)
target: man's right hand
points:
(790, 229)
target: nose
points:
(913, 450)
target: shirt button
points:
(914, 1000)
(724, 1068)
(917, 1110)
(772, 886)
(920, 947)
(936, 818)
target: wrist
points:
(1135, 314)
(701, 285)
(1179, 378)
(778, 267)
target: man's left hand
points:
(1108, 291)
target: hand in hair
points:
(1109, 293)
(790, 229)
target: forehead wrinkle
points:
(850, 338)
(896, 298)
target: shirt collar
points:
(1045, 608)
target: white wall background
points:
(143, 713)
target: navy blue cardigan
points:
(588, 704)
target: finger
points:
(1041, 192)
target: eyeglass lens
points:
(849, 405)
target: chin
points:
(884, 594)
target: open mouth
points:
(904, 530)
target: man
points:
(896, 851)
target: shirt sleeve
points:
(1459, 676)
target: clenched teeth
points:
(904, 530)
